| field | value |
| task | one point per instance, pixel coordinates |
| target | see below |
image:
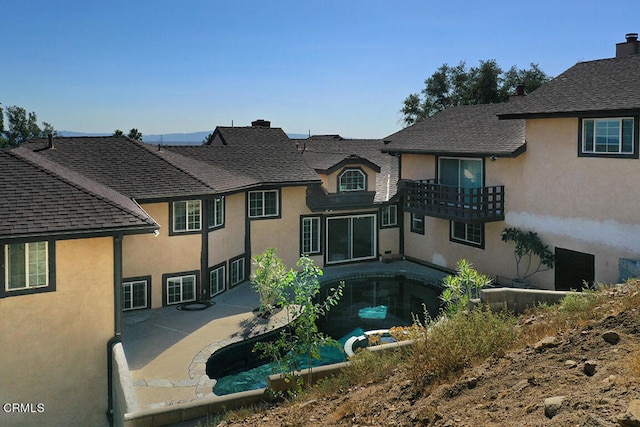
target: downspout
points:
(117, 325)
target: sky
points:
(308, 66)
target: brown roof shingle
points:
(595, 86)
(462, 130)
(41, 198)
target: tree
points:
(118, 132)
(21, 126)
(135, 134)
(297, 293)
(485, 84)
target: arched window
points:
(352, 180)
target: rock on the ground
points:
(545, 343)
(590, 367)
(612, 337)
(552, 406)
(631, 418)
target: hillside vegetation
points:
(573, 364)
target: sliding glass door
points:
(351, 238)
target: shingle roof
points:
(595, 86)
(250, 134)
(462, 130)
(41, 198)
(129, 167)
(322, 153)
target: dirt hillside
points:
(586, 369)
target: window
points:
(469, 234)
(310, 235)
(237, 271)
(389, 216)
(217, 277)
(134, 294)
(186, 216)
(263, 203)
(417, 223)
(215, 209)
(181, 289)
(352, 180)
(26, 267)
(608, 136)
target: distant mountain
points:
(193, 138)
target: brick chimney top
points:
(261, 123)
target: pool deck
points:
(167, 349)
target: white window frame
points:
(131, 284)
(467, 232)
(179, 280)
(256, 206)
(348, 184)
(27, 263)
(216, 211)
(310, 235)
(191, 224)
(237, 271)
(594, 144)
(220, 274)
(386, 216)
(415, 220)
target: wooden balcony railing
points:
(468, 205)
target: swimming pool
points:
(367, 303)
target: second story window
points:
(352, 180)
(26, 267)
(608, 136)
(186, 216)
(263, 203)
(216, 212)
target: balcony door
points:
(351, 238)
(461, 173)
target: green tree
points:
(118, 132)
(21, 126)
(268, 279)
(462, 287)
(458, 85)
(300, 343)
(135, 134)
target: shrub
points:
(466, 284)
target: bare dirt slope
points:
(586, 368)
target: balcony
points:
(319, 200)
(468, 205)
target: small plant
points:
(268, 279)
(528, 247)
(462, 287)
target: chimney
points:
(50, 142)
(630, 47)
(520, 93)
(261, 123)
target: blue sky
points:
(317, 66)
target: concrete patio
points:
(167, 349)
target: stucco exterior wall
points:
(58, 340)
(578, 203)
(282, 233)
(149, 255)
(227, 242)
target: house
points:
(218, 204)
(60, 279)
(560, 161)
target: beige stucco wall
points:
(55, 343)
(157, 255)
(582, 204)
(228, 242)
(282, 233)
